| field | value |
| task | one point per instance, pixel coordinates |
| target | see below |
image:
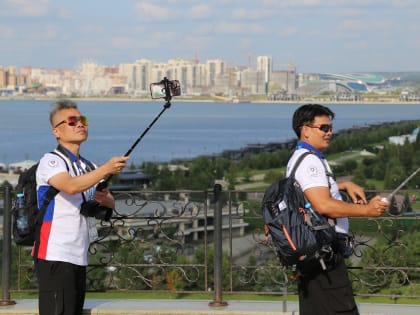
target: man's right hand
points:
(376, 206)
(116, 164)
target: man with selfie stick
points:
(61, 254)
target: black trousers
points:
(326, 292)
(62, 287)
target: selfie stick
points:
(400, 186)
(168, 98)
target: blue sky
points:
(315, 35)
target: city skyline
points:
(315, 35)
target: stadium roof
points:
(369, 79)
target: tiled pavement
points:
(199, 307)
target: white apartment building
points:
(211, 77)
(252, 81)
(138, 76)
(214, 68)
(265, 66)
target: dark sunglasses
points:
(73, 120)
(323, 127)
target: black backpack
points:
(34, 216)
(298, 232)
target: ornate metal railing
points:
(200, 241)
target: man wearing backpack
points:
(61, 252)
(324, 292)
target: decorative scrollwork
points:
(164, 241)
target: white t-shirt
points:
(64, 231)
(311, 173)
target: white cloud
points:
(239, 28)
(50, 32)
(363, 28)
(288, 31)
(219, 28)
(161, 39)
(122, 42)
(202, 11)
(352, 26)
(405, 3)
(292, 3)
(25, 8)
(151, 11)
(249, 14)
(92, 29)
(194, 44)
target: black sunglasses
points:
(323, 127)
(73, 120)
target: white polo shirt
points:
(311, 173)
(64, 231)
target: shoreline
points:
(200, 100)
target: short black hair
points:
(306, 114)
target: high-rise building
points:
(213, 76)
(215, 68)
(3, 74)
(265, 66)
(142, 72)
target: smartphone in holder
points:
(159, 89)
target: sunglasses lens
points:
(84, 120)
(72, 121)
(325, 127)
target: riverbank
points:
(260, 100)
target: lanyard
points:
(305, 145)
(78, 169)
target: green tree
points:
(200, 258)
(416, 144)
(231, 175)
(349, 166)
(202, 173)
(405, 155)
(368, 164)
(394, 174)
(272, 176)
(359, 176)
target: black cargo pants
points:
(326, 292)
(62, 287)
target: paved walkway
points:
(200, 307)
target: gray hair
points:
(59, 105)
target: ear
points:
(304, 134)
(56, 133)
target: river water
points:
(185, 130)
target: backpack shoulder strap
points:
(67, 165)
(49, 195)
(298, 161)
(51, 192)
(328, 174)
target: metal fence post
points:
(217, 240)
(7, 248)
